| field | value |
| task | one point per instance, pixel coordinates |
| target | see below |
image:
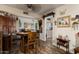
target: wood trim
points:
(49, 14)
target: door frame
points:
(45, 32)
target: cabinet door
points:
(1, 24)
(5, 28)
(6, 25)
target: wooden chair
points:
(76, 50)
(15, 44)
(31, 43)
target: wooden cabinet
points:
(7, 25)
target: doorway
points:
(49, 29)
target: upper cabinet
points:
(7, 24)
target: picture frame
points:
(63, 21)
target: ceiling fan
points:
(30, 7)
(33, 7)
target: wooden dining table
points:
(22, 33)
(23, 40)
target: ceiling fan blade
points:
(36, 7)
(33, 7)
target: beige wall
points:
(71, 10)
(18, 12)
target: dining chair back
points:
(31, 44)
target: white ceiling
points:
(40, 8)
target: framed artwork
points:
(63, 21)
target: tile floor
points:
(47, 48)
